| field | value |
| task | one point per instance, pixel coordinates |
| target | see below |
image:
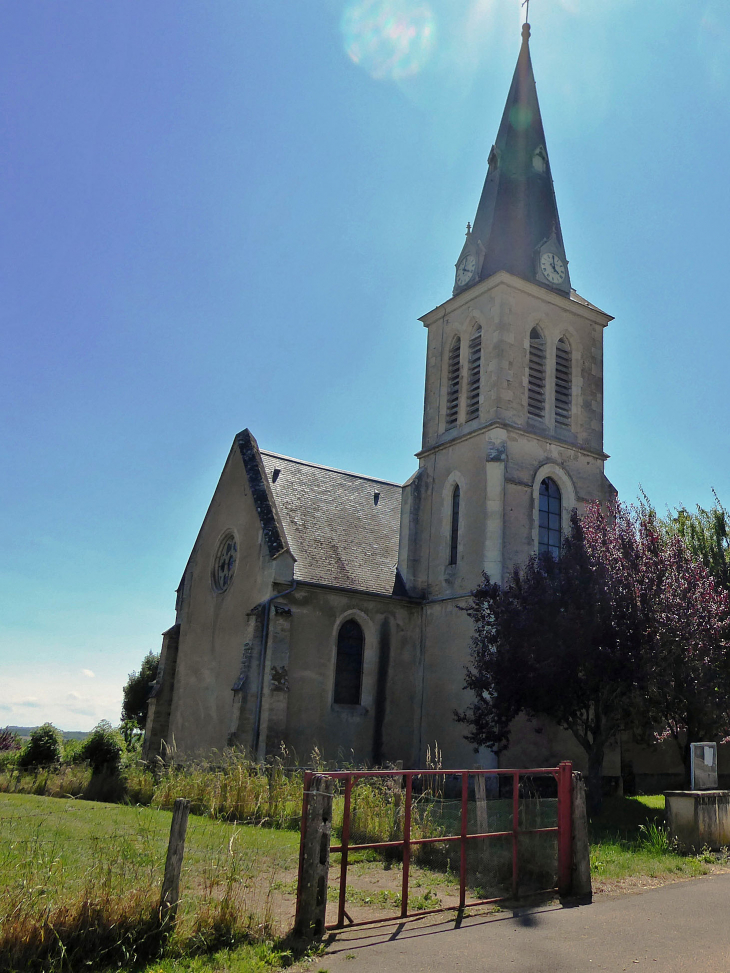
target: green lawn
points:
(630, 845)
(59, 846)
(55, 854)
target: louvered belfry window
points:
(348, 668)
(473, 387)
(452, 384)
(536, 376)
(454, 547)
(563, 384)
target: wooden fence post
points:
(480, 793)
(173, 863)
(581, 889)
(395, 831)
(315, 866)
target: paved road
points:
(680, 928)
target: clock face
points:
(553, 268)
(465, 270)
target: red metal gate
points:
(562, 774)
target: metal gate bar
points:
(563, 774)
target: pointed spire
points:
(517, 219)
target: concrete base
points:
(699, 819)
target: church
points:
(320, 608)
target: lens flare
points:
(714, 42)
(390, 39)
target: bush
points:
(70, 751)
(103, 748)
(44, 747)
(9, 740)
(8, 759)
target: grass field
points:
(59, 859)
(73, 869)
(59, 847)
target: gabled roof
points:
(335, 529)
(261, 492)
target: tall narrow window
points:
(563, 384)
(474, 375)
(348, 668)
(452, 384)
(454, 546)
(550, 536)
(536, 376)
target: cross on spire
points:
(526, 4)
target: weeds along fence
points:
(377, 814)
(79, 888)
(233, 788)
(237, 789)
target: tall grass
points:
(233, 787)
(229, 787)
(75, 894)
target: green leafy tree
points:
(131, 734)
(102, 748)
(44, 746)
(137, 690)
(706, 534)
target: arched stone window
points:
(454, 540)
(563, 384)
(550, 536)
(536, 376)
(348, 667)
(452, 383)
(473, 385)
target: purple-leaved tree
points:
(623, 631)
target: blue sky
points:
(231, 214)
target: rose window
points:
(225, 562)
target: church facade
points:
(319, 608)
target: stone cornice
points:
(511, 427)
(502, 278)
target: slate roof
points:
(575, 296)
(337, 533)
(517, 211)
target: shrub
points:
(8, 759)
(9, 740)
(71, 750)
(44, 747)
(103, 748)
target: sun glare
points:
(390, 39)
(714, 41)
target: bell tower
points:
(513, 411)
(513, 407)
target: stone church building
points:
(319, 607)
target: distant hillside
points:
(25, 731)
